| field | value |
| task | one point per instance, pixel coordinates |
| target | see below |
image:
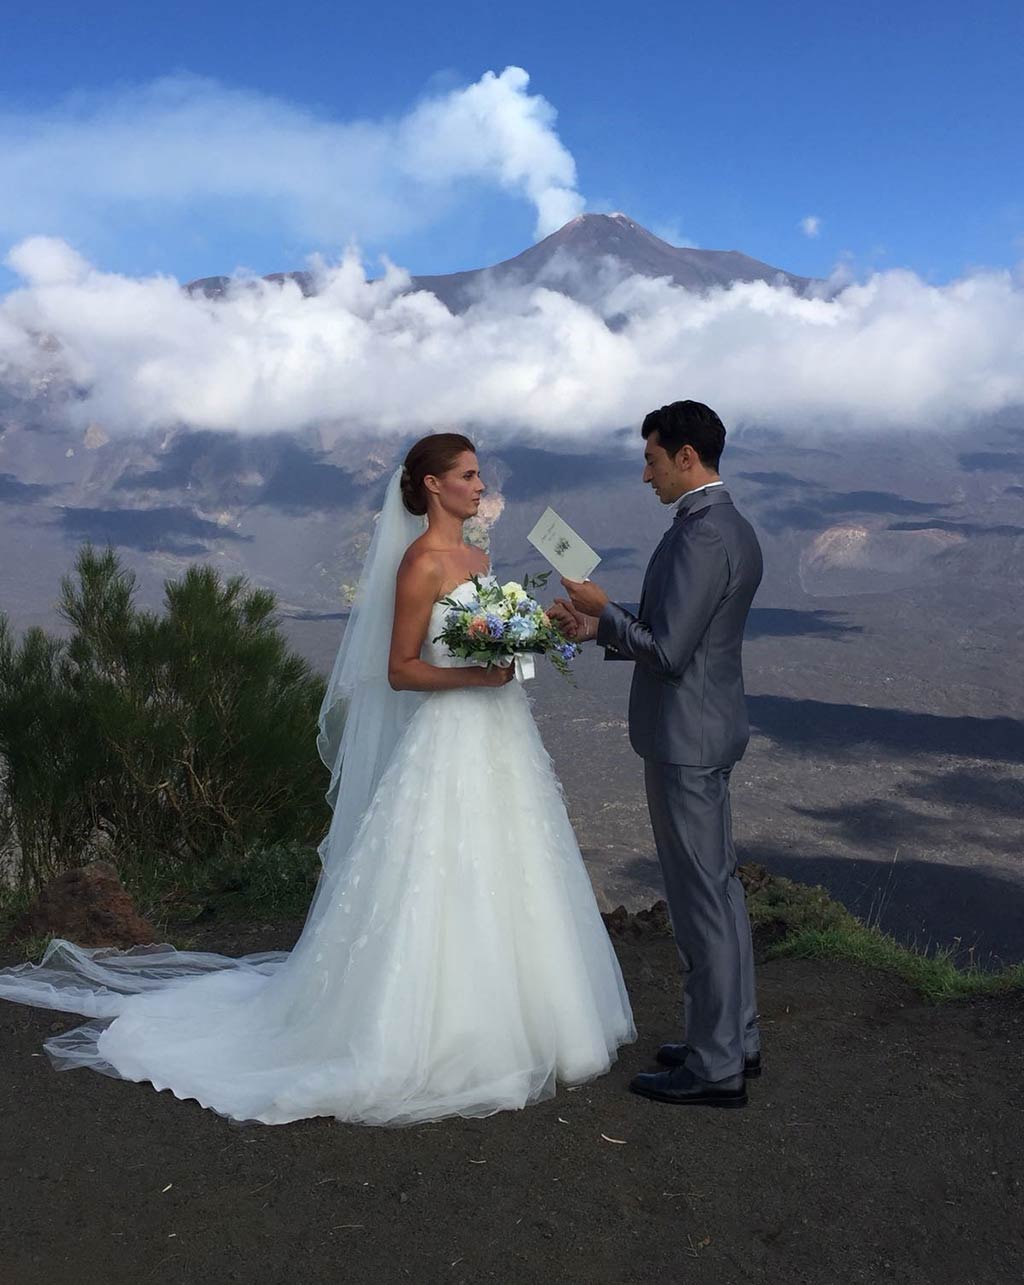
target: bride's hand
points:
(563, 617)
(576, 626)
(497, 676)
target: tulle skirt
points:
(454, 961)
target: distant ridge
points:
(590, 240)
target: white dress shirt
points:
(706, 487)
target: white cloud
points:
(495, 130)
(184, 143)
(361, 355)
(811, 226)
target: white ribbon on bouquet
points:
(525, 668)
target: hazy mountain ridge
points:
(590, 240)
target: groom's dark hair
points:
(687, 424)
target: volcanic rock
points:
(88, 906)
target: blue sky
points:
(898, 127)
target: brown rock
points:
(645, 923)
(88, 906)
(616, 921)
(655, 921)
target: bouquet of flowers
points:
(502, 623)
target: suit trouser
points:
(692, 821)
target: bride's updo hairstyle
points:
(429, 457)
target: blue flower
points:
(521, 627)
(495, 625)
(568, 651)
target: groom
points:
(688, 722)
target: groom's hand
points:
(588, 598)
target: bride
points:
(453, 961)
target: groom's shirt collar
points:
(696, 490)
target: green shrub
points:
(162, 740)
(275, 882)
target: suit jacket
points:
(687, 704)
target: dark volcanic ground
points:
(885, 1142)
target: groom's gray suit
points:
(688, 722)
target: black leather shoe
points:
(675, 1055)
(684, 1089)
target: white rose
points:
(514, 591)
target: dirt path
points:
(884, 1143)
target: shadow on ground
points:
(784, 622)
(843, 729)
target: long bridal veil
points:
(362, 718)
(361, 722)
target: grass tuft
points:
(937, 976)
(802, 921)
(34, 948)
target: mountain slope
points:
(609, 242)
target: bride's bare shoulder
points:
(421, 567)
(480, 563)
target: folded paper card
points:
(568, 553)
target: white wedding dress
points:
(456, 962)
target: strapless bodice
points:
(437, 653)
